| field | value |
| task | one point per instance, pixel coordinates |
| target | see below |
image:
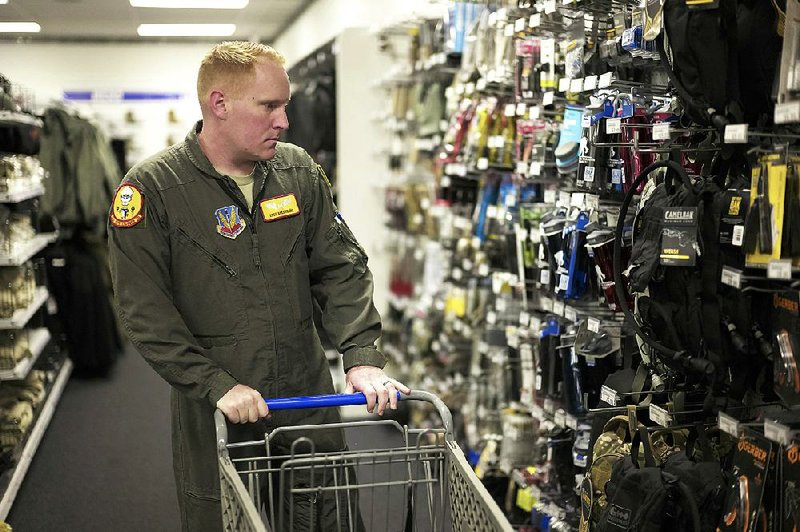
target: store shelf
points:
(23, 252)
(22, 316)
(35, 437)
(22, 195)
(22, 118)
(37, 342)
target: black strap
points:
(642, 437)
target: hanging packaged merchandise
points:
(462, 16)
(788, 516)
(763, 230)
(784, 319)
(567, 150)
(573, 275)
(559, 453)
(519, 439)
(790, 245)
(552, 235)
(600, 246)
(753, 462)
(549, 368)
(789, 82)
(721, 55)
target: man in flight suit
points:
(233, 238)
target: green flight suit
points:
(208, 311)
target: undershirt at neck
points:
(245, 184)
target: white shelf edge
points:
(38, 341)
(31, 248)
(22, 195)
(35, 438)
(22, 316)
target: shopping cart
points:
(424, 483)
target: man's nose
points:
(282, 120)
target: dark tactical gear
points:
(208, 312)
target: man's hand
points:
(243, 404)
(376, 385)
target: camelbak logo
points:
(785, 303)
(682, 215)
(752, 449)
(619, 516)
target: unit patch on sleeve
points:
(229, 223)
(128, 207)
(279, 207)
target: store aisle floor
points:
(105, 462)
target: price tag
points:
(563, 85)
(535, 324)
(457, 274)
(661, 131)
(547, 98)
(563, 284)
(549, 195)
(522, 167)
(571, 421)
(570, 314)
(616, 176)
(483, 163)
(588, 174)
(483, 270)
(535, 21)
(524, 318)
(592, 202)
(738, 235)
(549, 7)
(511, 109)
(521, 109)
(445, 181)
(533, 112)
(466, 265)
(559, 418)
(586, 121)
(480, 84)
(786, 113)
(779, 269)
(564, 198)
(548, 406)
(593, 325)
(547, 304)
(519, 25)
(735, 134)
(491, 317)
(566, 2)
(728, 424)
(500, 305)
(544, 276)
(577, 199)
(590, 83)
(731, 277)
(660, 416)
(778, 433)
(558, 306)
(576, 85)
(608, 395)
(536, 170)
(605, 80)
(613, 126)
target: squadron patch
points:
(229, 223)
(128, 207)
(279, 207)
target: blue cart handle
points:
(320, 401)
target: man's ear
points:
(218, 104)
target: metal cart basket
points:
(421, 483)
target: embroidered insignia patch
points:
(229, 223)
(128, 207)
(279, 207)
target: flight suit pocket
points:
(222, 350)
(345, 241)
(295, 265)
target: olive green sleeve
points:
(340, 280)
(140, 270)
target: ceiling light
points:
(186, 30)
(3, 2)
(19, 27)
(188, 4)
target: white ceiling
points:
(116, 20)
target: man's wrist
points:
(363, 356)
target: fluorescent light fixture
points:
(3, 2)
(188, 4)
(19, 27)
(186, 30)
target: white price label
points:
(589, 83)
(549, 194)
(778, 433)
(564, 198)
(593, 325)
(660, 416)
(480, 84)
(586, 122)
(563, 284)
(519, 25)
(456, 169)
(522, 167)
(738, 235)
(570, 314)
(491, 317)
(466, 265)
(547, 304)
(592, 202)
(510, 109)
(457, 274)
(661, 131)
(605, 80)
(560, 418)
(533, 112)
(563, 85)
(616, 176)
(548, 406)
(549, 6)
(571, 422)
(520, 109)
(787, 113)
(445, 181)
(535, 21)
(735, 134)
(547, 98)
(576, 85)
(588, 174)
(524, 318)
(483, 270)
(566, 2)
(544, 276)
(483, 162)
(536, 170)
(577, 199)
(558, 307)
(608, 395)
(779, 269)
(728, 425)
(500, 305)
(731, 277)
(535, 324)
(613, 126)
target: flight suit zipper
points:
(230, 271)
